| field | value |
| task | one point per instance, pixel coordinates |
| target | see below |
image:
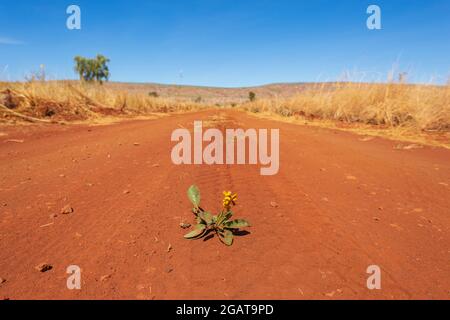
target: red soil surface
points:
(344, 203)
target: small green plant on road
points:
(221, 224)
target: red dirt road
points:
(343, 204)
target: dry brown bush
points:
(415, 107)
(68, 100)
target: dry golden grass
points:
(401, 110)
(419, 113)
(61, 100)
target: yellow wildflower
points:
(229, 199)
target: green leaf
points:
(228, 215)
(236, 224)
(226, 237)
(196, 210)
(198, 231)
(194, 195)
(224, 217)
(206, 216)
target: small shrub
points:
(285, 112)
(255, 109)
(220, 224)
(251, 96)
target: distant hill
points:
(215, 94)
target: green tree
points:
(92, 69)
(252, 96)
(81, 67)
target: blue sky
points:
(229, 42)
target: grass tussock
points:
(391, 105)
(70, 101)
(405, 109)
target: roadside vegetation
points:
(40, 100)
(401, 110)
(55, 101)
(397, 110)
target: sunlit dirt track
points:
(339, 204)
